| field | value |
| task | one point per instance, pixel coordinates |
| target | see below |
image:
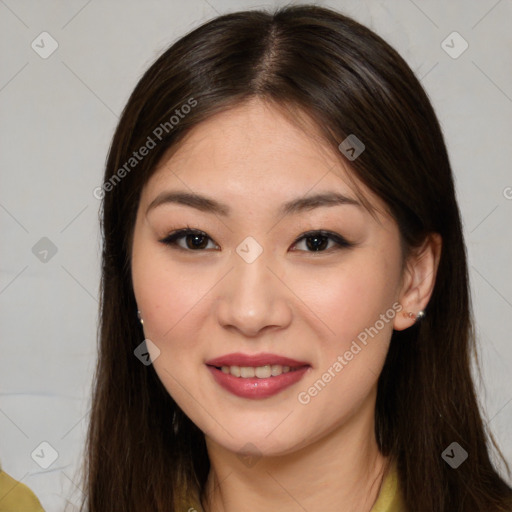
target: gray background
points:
(58, 116)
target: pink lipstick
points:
(256, 376)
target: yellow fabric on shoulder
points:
(16, 496)
(390, 497)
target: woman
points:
(285, 318)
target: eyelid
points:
(340, 241)
(171, 238)
(328, 234)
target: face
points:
(273, 315)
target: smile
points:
(256, 376)
(261, 372)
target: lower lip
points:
(255, 387)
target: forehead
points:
(255, 148)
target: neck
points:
(341, 471)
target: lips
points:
(285, 372)
(239, 359)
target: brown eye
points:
(318, 241)
(195, 240)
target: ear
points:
(418, 280)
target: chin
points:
(257, 444)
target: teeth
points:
(276, 369)
(261, 372)
(247, 372)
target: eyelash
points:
(342, 243)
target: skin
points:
(290, 301)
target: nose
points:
(252, 298)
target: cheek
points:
(166, 296)
(170, 301)
(354, 297)
(350, 301)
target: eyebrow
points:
(209, 205)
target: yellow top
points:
(16, 496)
(390, 497)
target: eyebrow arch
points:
(210, 205)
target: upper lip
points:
(239, 359)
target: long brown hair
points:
(142, 452)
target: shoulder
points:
(15, 495)
(390, 497)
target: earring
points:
(409, 314)
(140, 317)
